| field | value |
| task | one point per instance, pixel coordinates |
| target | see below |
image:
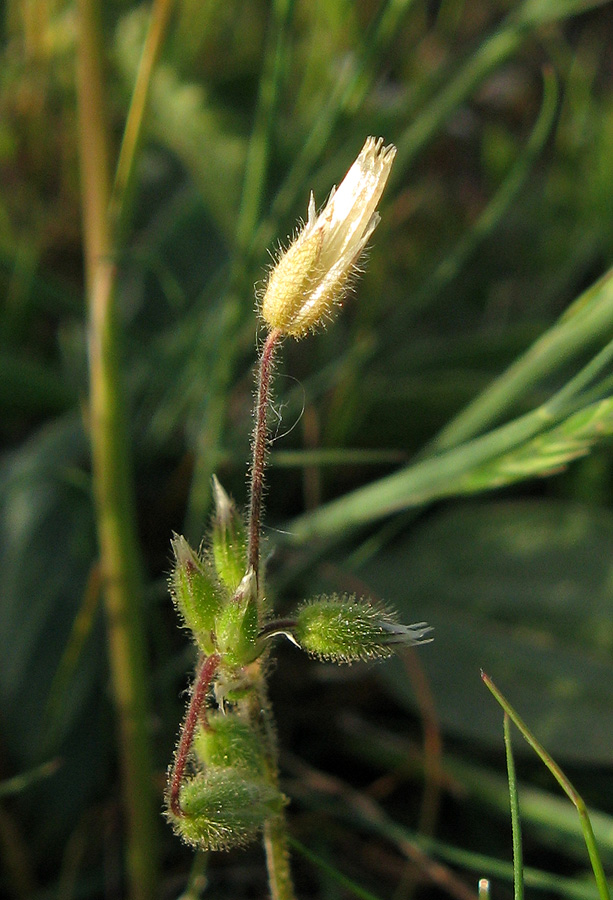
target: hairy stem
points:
(277, 859)
(196, 707)
(275, 830)
(260, 441)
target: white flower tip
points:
(408, 634)
(312, 276)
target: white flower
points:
(312, 276)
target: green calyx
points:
(222, 808)
(220, 621)
(343, 629)
(215, 598)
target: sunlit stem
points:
(260, 442)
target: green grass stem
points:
(331, 872)
(347, 95)
(120, 204)
(412, 844)
(494, 51)
(120, 556)
(518, 862)
(211, 431)
(258, 152)
(449, 267)
(565, 784)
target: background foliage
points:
(499, 217)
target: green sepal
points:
(229, 741)
(344, 630)
(223, 809)
(236, 626)
(228, 540)
(195, 592)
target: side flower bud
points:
(195, 593)
(344, 630)
(312, 276)
(222, 809)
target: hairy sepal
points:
(195, 592)
(228, 540)
(343, 629)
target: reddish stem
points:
(260, 441)
(202, 683)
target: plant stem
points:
(119, 551)
(277, 859)
(202, 683)
(260, 441)
(275, 831)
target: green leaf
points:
(546, 454)
(521, 590)
(236, 626)
(47, 550)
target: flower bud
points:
(229, 542)
(223, 809)
(343, 630)
(229, 741)
(236, 626)
(312, 276)
(195, 593)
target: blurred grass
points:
(474, 356)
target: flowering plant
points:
(224, 785)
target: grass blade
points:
(518, 863)
(565, 784)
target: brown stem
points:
(202, 684)
(260, 441)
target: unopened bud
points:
(223, 809)
(195, 593)
(229, 541)
(229, 741)
(343, 630)
(312, 276)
